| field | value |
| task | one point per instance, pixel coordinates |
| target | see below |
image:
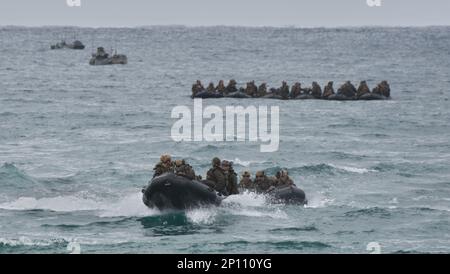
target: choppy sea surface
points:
(78, 142)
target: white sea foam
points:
(27, 241)
(246, 163)
(394, 201)
(359, 170)
(242, 163)
(252, 205)
(246, 199)
(58, 203)
(129, 205)
(318, 200)
(205, 216)
(275, 214)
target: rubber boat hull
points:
(274, 96)
(372, 96)
(304, 97)
(288, 195)
(114, 60)
(207, 94)
(170, 191)
(238, 94)
(75, 45)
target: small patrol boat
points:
(63, 45)
(101, 58)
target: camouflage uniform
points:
(283, 179)
(221, 87)
(328, 90)
(296, 90)
(231, 87)
(185, 170)
(386, 89)
(263, 183)
(316, 90)
(164, 166)
(347, 89)
(382, 88)
(231, 177)
(217, 175)
(246, 182)
(197, 87)
(211, 87)
(362, 89)
(262, 90)
(251, 89)
(284, 90)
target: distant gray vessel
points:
(102, 58)
(63, 45)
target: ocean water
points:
(78, 142)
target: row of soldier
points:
(222, 177)
(252, 90)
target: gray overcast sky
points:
(301, 13)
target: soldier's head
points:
(221, 83)
(198, 82)
(246, 174)
(215, 162)
(278, 175)
(226, 165)
(166, 159)
(330, 84)
(284, 173)
(179, 162)
(232, 82)
(259, 176)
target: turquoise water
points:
(77, 142)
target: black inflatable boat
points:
(238, 94)
(304, 97)
(170, 191)
(288, 195)
(372, 96)
(207, 94)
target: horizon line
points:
(229, 26)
